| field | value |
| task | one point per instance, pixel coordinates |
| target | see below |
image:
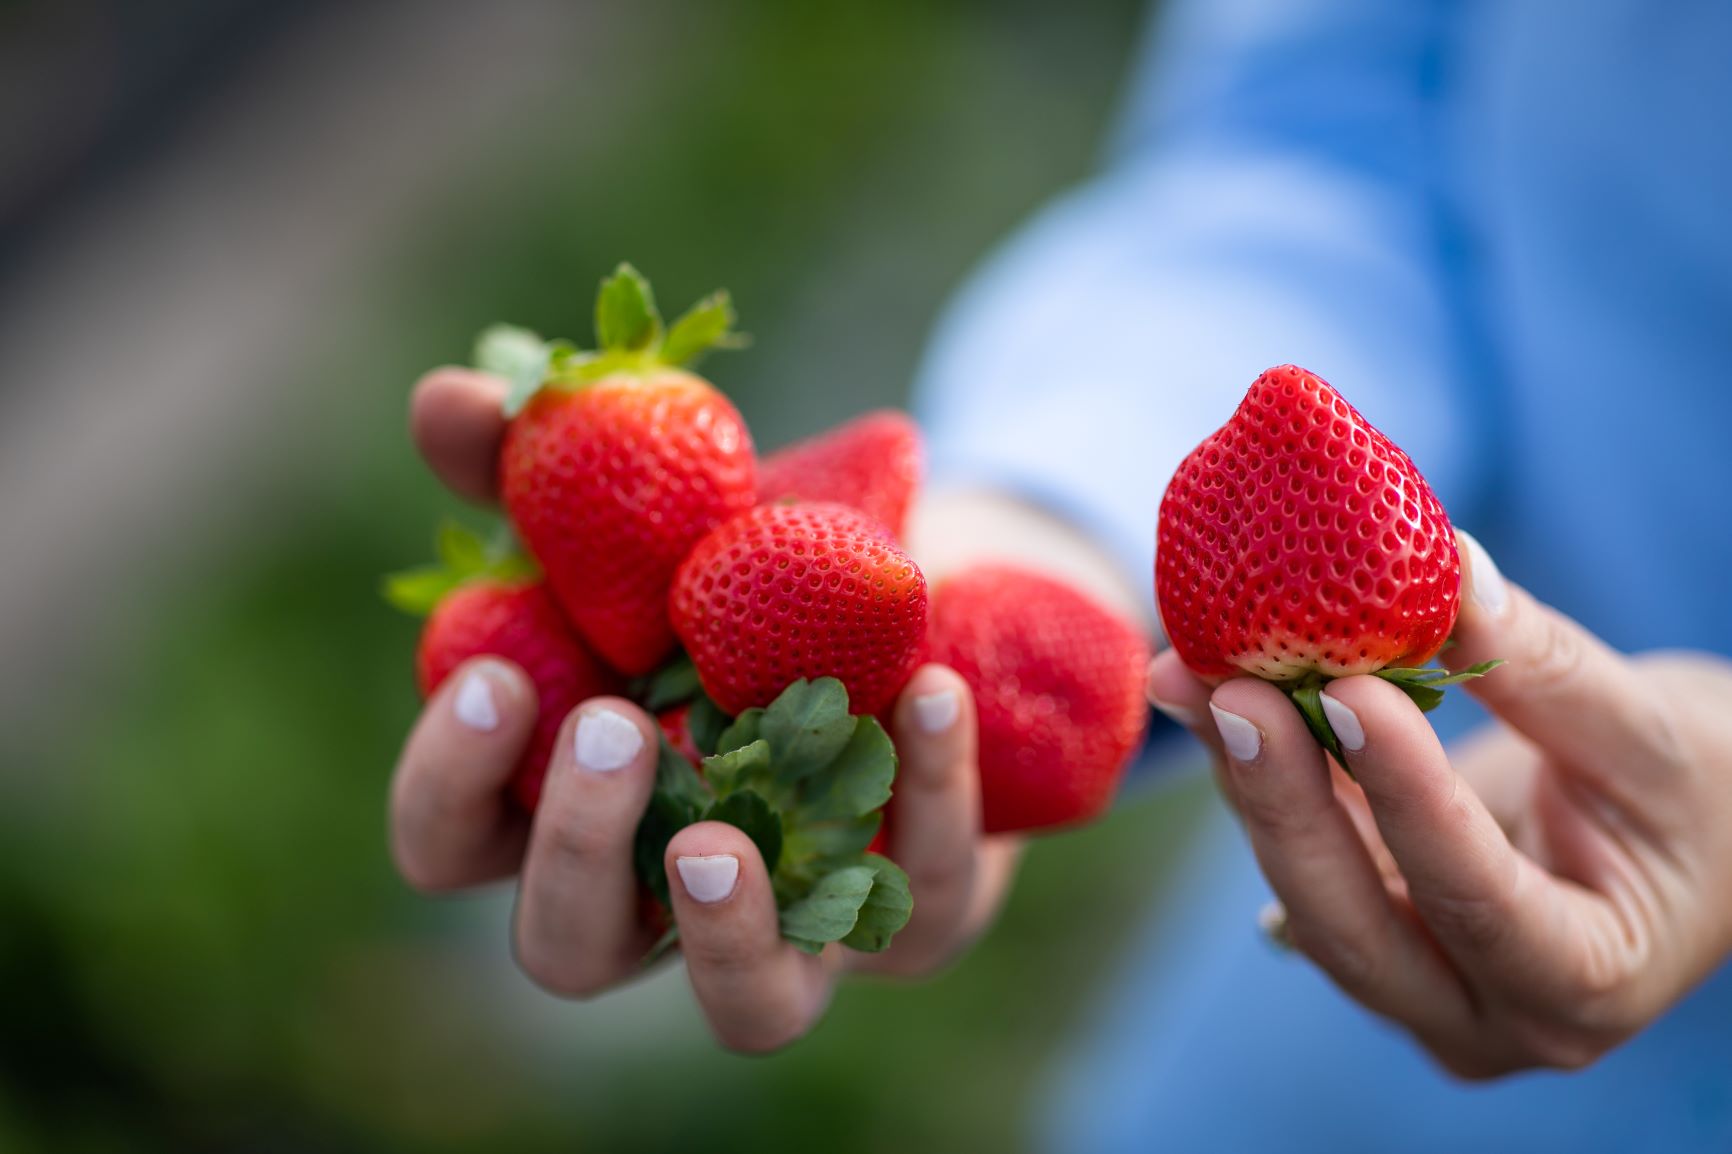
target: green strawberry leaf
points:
(820, 841)
(460, 547)
(657, 952)
(807, 726)
(750, 812)
(1425, 685)
(417, 591)
(857, 781)
(626, 319)
(673, 684)
(743, 730)
(707, 723)
(706, 325)
(831, 908)
(1308, 696)
(463, 556)
(747, 767)
(518, 355)
(678, 799)
(885, 910)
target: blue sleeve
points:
(1268, 199)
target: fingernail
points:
(708, 879)
(1241, 738)
(936, 712)
(1272, 921)
(1178, 713)
(1344, 722)
(473, 705)
(1490, 592)
(606, 741)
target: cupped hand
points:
(581, 925)
(1537, 895)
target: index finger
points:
(456, 420)
(1561, 687)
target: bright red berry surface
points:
(805, 590)
(1297, 538)
(872, 463)
(521, 624)
(611, 484)
(1058, 690)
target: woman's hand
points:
(1533, 899)
(579, 927)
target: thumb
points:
(1564, 689)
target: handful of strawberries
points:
(766, 611)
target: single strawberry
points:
(1297, 544)
(675, 724)
(616, 462)
(479, 603)
(872, 463)
(1058, 691)
(785, 592)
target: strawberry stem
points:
(1423, 685)
(630, 339)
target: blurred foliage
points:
(202, 945)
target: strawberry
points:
(1058, 691)
(616, 462)
(785, 592)
(675, 724)
(872, 463)
(1297, 544)
(495, 605)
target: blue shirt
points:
(1504, 230)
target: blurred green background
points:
(231, 235)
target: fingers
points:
(1339, 911)
(1504, 922)
(758, 992)
(936, 834)
(1183, 697)
(452, 824)
(456, 421)
(1563, 688)
(577, 925)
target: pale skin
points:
(1530, 899)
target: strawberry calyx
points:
(463, 556)
(807, 782)
(1423, 684)
(631, 340)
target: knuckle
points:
(1557, 1045)
(1554, 660)
(1477, 924)
(1275, 817)
(1473, 1067)
(567, 844)
(1356, 969)
(560, 975)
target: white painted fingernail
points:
(606, 741)
(709, 879)
(1344, 722)
(473, 705)
(936, 712)
(1241, 738)
(1177, 712)
(1490, 592)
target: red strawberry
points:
(617, 462)
(1298, 544)
(675, 723)
(806, 590)
(872, 463)
(490, 601)
(1058, 689)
